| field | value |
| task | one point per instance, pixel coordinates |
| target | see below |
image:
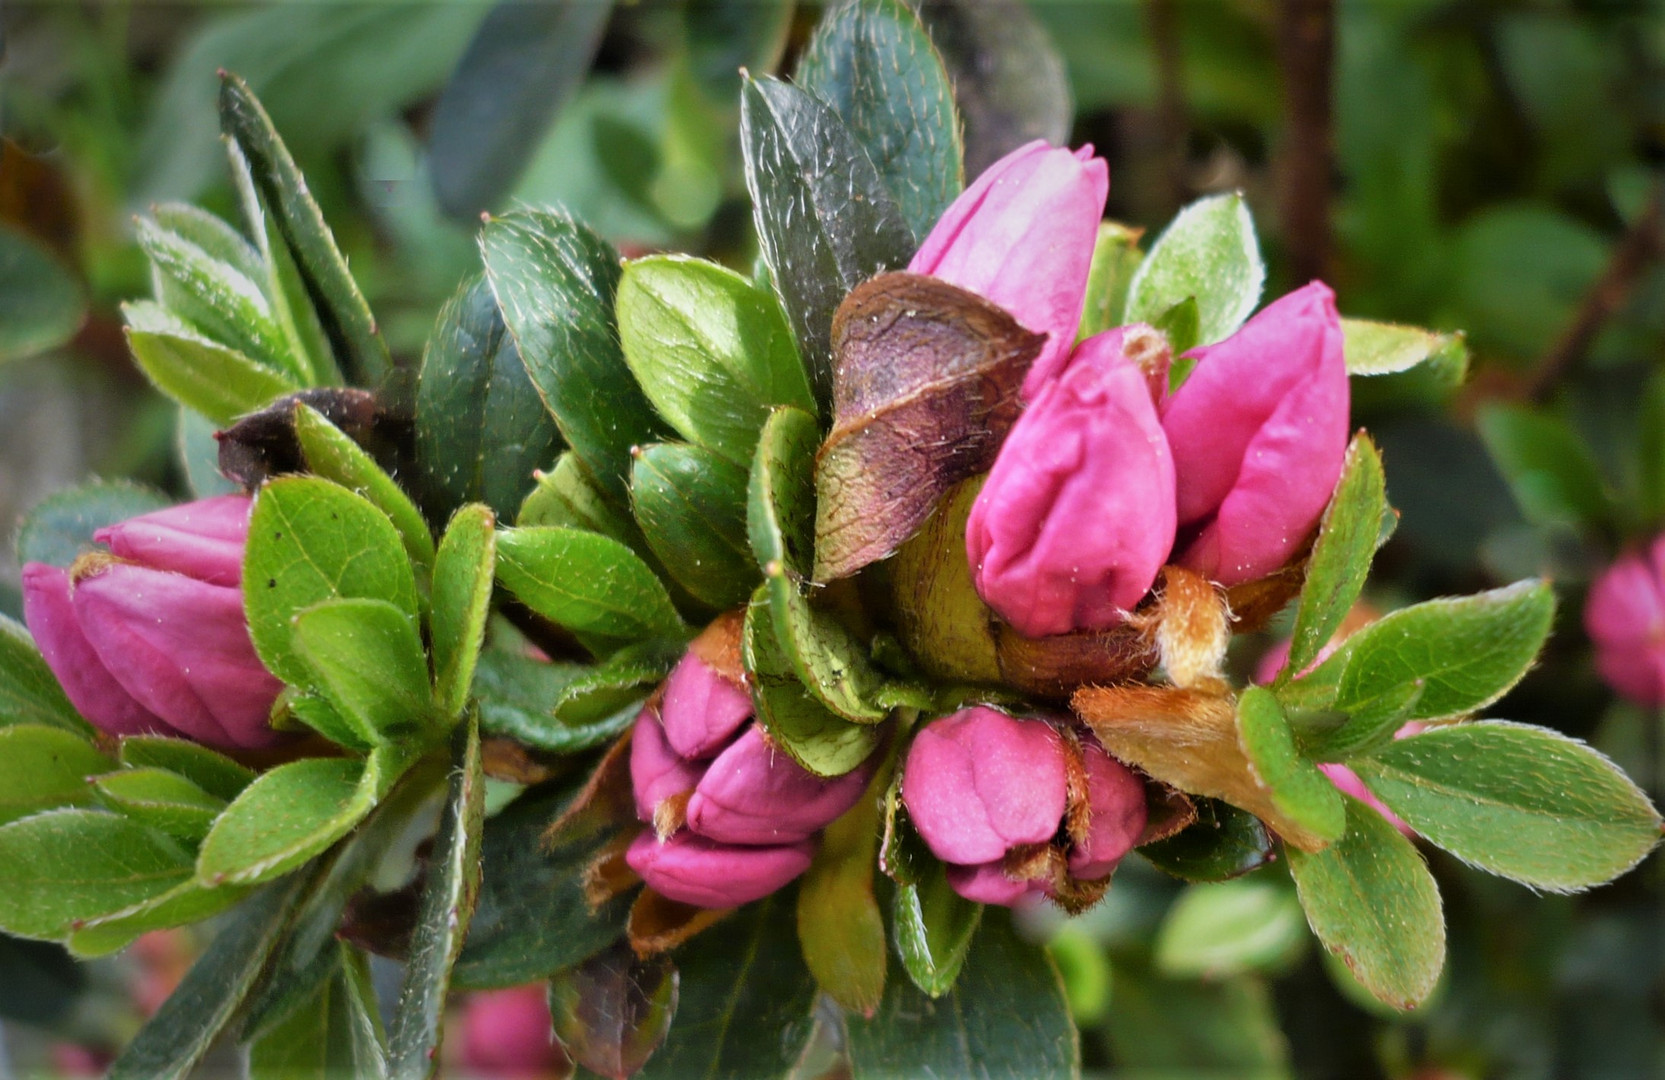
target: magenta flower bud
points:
(1116, 814)
(1022, 237)
(980, 782)
(755, 794)
(694, 870)
(1625, 618)
(1077, 516)
(506, 1033)
(702, 710)
(1348, 783)
(154, 639)
(987, 883)
(1259, 433)
(657, 773)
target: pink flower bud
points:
(1077, 515)
(1116, 818)
(702, 710)
(656, 772)
(1022, 237)
(141, 643)
(1259, 434)
(987, 883)
(1348, 783)
(1625, 618)
(979, 782)
(694, 870)
(506, 1033)
(755, 794)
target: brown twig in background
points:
(1641, 245)
(1306, 54)
(1173, 125)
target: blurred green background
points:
(1494, 167)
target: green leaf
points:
(29, 692)
(567, 497)
(367, 657)
(691, 505)
(209, 769)
(463, 573)
(1007, 1017)
(213, 235)
(1182, 324)
(448, 901)
(1438, 659)
(1372, 902)
(1341, 556)
(1650, 450)
(1550, 469)
(219, 300)
(332, 454)
(1216, 931)
(586, 582)
(162, 800)
(932, 924)
(517, 697)
(218, 382)
(42, 767)
(290, 814)
(62, 867)
(1528, 804)
(1379, 348)
(187, 902)
(626, 676)
(1224, 843)
(747, 966)
(1116, 256)
(175, 1038)
(340, 306)
(780, 496)
(1208, 253)
(333, 1033)
(832, 664)
(840, 927)
(1298, 789)
(41, 305)
(874, 63)
(711, 350)
(532, 918)
(59, 528)
(821, 741)
(1187, 1028)
(310, 541)
(481, 427)
(555, 282)
(824, 219)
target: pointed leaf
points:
(367, 657)
(163, 800)
(290, 814)
(1379, 348)
(186, 903)
(461, 594)
(691, 505)
(331, 454)
(218, 299)
(1209, 253)
(1341, 556)
(62, 867)
(218, 382)
(208, 769)
(334, 1033)
(1116, 256)
(585, 582)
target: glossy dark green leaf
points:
(41, 305)
(1116, 256)
(160, 799)
(1229, 928)
(1009, 81)
(448, 901)
(42, 767)
(290, 814)
(625, 676)
(1007, 1017)
(1298, 789)
(532, 918)
(1223, 843)
(522, 65)
(1528, 804)
(334, 1033)
(1550, 469)
(29, 692)
(691, 505)
(1372, 902)
(331, 454)
(481, 427)
(585, 582)
(65, 866)
(780, 497)
(340, 306)
(59, 528)
(208, 769)
(555, 282)
(1208, 253)
(461, 597)
(711, 350)
(874, 63)
(174, 1040)
(613, 1010)
(745, 966)
(816, 738)
(518, 695)
(1341, 556)
(823, 217)
(366, 656)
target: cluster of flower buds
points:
(1106, 476)
(1021, 806)
(732, 817)
(150, 636)
(1625, 618)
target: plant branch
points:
(1173, 125)
(1306, 54)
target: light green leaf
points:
(586, 582)
(210, 770)
(1341, 556)
(1116, 257)
(187, 902)
(29, 692)
(332, 454)
(217, 382)
(290, 814)
(162, 800)
(62, 867)
(463, 574)
(832, 664)
(1224, 929)
(1298, 789)
(1379, 348)
(780, 498)
(223, 303)
(1209, 253)
(366, 655)
(42, 767)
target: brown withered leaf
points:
(1168, 812)
(264, 444)
(503, 758)
(925, 386)
(1188, 739)
(605, 801)
(659, 924)
(612, 1011)
(718, 645)
(608, 874)
(1254, 603)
